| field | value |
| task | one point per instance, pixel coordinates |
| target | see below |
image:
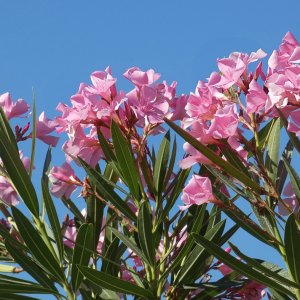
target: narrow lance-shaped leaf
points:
(53, 219)
(69, 204)
(24, 289)
(264, 270)
(160, 166)
(198, 255)
(291, 135)
(33, 135)
(82, 253)
(36, 245)
(190, 241)
(95, 209)
(238, 266)
(30, 266)
(294, 178)
(273, 150)
(104, 189)
(17, 173)
(282, 171)
(6, 129)
(238, 216)
(211, 155)
(125, 160)
(114, 284)
(171, 164)
(146, 237)
(130, 243)
(292, 247)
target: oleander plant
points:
(129, 214)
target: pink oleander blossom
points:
(44, 127)
(198, 191)
(64, 181)
(149, 104)
(256, 98)
(13, 109)
(294, 122)
(289, 198)
(7, 193)
(251, 291)
(233, 67)
(103, 84)
(139, 77)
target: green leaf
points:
(17, 173)
(263, 269)
(33, 135)
(9, 296)
(171, 164)
(47, 165)
(240, 218)
(238, 266)
(291, 135)
(6, 235)
(130, 243)
(233, 158)
(53, 219)
(198, 255)
(211, 155)
(69, 204)
(109, 154)
(9, 288)
(146, 238)
(294, 178)
(292, 247)
(114, 284)
(282, 171)
(94, 216)
(82, 253)
(190, 241)
(6, 129)
(106, 191)
(36, 245)
(273, 150)
(126, 161)
(30, 266)
(177, 186)
(160, 166)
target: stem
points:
(70, 294)
(41, 228)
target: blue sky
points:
(54, 45)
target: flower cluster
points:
(234, 102)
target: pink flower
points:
(13, 110)
(86, 146)
(294, 122)
(198, 191)
(256, 98)
(193, 158)
(252, 291)
(7, 193)
(44, 127)
(149, 104)
(224, 124)
(103, 84)
(70, 234)
(290, 200)
(63, 181)
(139, 78)
(233, 67)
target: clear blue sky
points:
(55, 45)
